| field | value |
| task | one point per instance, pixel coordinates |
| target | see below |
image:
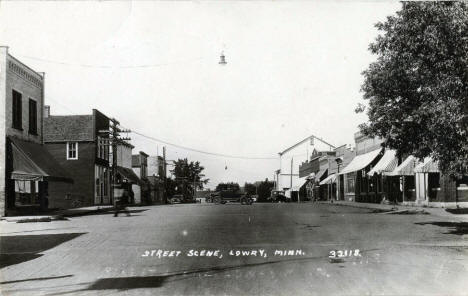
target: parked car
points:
(278, 196)
(177, 198)
(225, 196)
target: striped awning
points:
(329, 180)
(387, 163)
(429, 165)
(406, 168)
(360, 162)
(320, 174)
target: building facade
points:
(26, 168)
(356, 185)
(140, 167)
(80, 144)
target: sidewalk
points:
(60, 214)
(441, 212)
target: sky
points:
(293, 70)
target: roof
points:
(128, 174)
(68, 128)
(32, 161)
(406, 168)
(328, 180)
(387, 163)
(427, 166)
(360, 161)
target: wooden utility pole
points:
(114, 138)
(165, 175)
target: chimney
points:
(46, 111)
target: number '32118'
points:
(344, 253)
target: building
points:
(288, 177)
(343, 156)
(140, 167)
(27, 170)
(156, 179)
(125, 177)
(80, 143)
(356, 185)
(311, 172)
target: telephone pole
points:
(115, 139)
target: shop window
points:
(17, 110)
(350, 185)
(32, 117)
(72, 150)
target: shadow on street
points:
(21, 248)
(156, 281)
(458, 228)
(37, 279)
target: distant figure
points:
(121, 204)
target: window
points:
(103, 148)
(32, 117)
(17, 110)
(72, 150)
(350, 184)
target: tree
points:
(417, 89)
(264, 190)
(188, 176)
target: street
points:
(158, 251)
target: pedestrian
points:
(121, 204)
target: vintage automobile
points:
(225, 196)
(278, 196)
(176, 198)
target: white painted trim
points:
(75, 158)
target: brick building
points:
(26, 167)
(80, 144)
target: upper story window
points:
(72, 150)
(32, 117)
(103, 148)
(17, 110)
(143, 171)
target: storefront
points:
(403, 176)
(356, 181)
(380, 186)
(30, 169)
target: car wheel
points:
(217, 200)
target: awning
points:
(360, 162)
(427, 166)
(128, 174)
(387, 163)
(297, 187)
(406, 168)
(32, 162)
(320, 174)
(329, 180)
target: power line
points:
(109, 66)
(201, 151)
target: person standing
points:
(121, 204)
